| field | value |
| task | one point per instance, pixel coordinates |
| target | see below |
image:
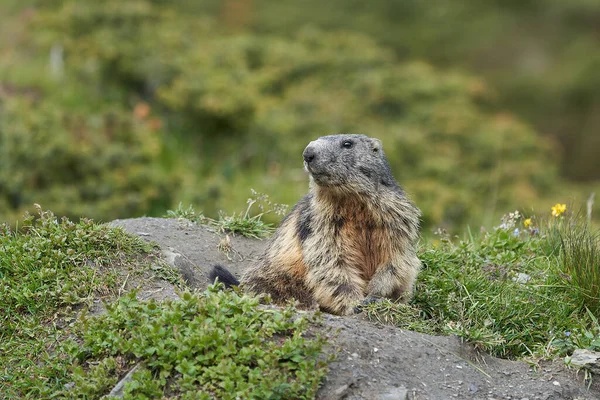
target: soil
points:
(373, 361)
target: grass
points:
(188, 213)
(49, 268)
(244, 223)
(580, 259)
(517, 291)
(514, 292)
(201, 346)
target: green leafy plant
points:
(505, 291)
(244, 223)
(49, 268)
(251, 225)
(579, 338)
(217, 344)
(187, 213)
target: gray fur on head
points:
(356, 162)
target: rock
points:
(522, 278)
(588, 359)
(341, 391)
(117, 391)
(399, 393)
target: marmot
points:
(349, 241)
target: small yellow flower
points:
(558, 209)
(527, 222)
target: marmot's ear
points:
(376, 145)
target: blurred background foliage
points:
(123, 108)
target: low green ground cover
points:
(529, 287)
(526, 289)
(213, 344)
(246, 223)
(48, 269)
(523, 289)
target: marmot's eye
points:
(347, 144)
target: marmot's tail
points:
(224, 276)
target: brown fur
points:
(349, 240)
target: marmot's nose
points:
(309, 154)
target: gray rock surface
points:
(588, 359)
(117, 391)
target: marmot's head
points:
(352, 162)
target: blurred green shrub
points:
(243, 106)
(99, 165)
(542, 56)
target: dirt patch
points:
(194, 248)
(375, 361)
(382, 362)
